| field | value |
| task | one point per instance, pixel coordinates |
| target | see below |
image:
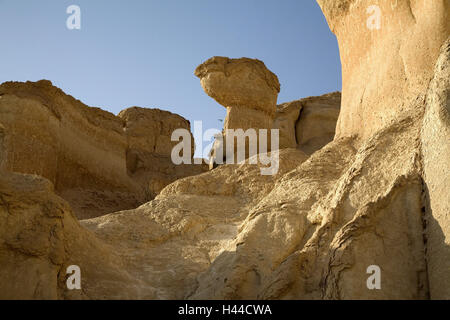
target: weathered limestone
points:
(246, 88)
(90, 155)
(40, 237)
(249, 92)
(150, 130)
(436, 166)
(384, 70)
(286, 118)
(386, 76)
(241, 84)
(377, 195)
(308, 124)
(317, 123)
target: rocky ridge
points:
(97, 161)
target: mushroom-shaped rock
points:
(245, 87)
(240, 83)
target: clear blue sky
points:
(144, 53)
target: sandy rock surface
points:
(308, 124)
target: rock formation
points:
(435, 137)
(246, 88)
(377, 195)
(308, 124)
(249, 91)
(384, 70)
(148, 155)
(100, 163)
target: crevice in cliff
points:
(300, 112)
(425, 210)
(411, 11)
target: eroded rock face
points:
(150, 130)
(40, 237)
(240, 83)
(148, 155)
(385, 69)
(436, 166)
(373, 196)
(249, 91)
(386, 77)
(2, 146)
(308, 124)
(89, 154)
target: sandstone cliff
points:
(100, 163)
(308, 124)
(249, 92)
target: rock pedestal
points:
(246, 88)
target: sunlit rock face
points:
(99, 162)
(395, 58)
(2, 148)
(240, 83)
(385, 69)
(308, 124)
(435, 141)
